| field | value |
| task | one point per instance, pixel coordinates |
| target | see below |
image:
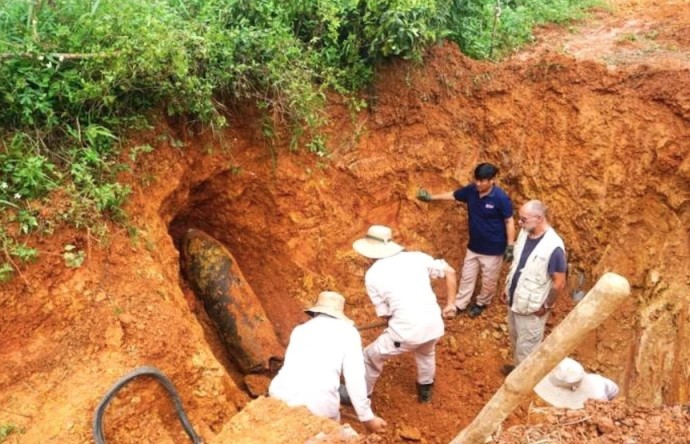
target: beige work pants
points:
(526, 333)
(384, 348)
(490, 267)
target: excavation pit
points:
(605, 143)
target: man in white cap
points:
(319, 351)
(569, 386)
(399, 286)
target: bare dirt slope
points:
(601, 135)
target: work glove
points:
(423, 195)
(508, 254)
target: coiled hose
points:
(142, 371)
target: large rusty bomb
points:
(230, 302)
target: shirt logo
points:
(489, 206)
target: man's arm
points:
(451, 290)
(353, 371)
(611, 388)
(439, 268)
(557, 271)
(380, 305)
(558, 286)
(510, 231)
(443, 196)
(510, 240)
(558, 281)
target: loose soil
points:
(593, 119)
(603, 423)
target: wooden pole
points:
(595, 307)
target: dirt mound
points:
(269, 420)
(602, 423)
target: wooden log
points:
(597, 305)
(230, 302)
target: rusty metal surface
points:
(230, 302)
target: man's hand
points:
(449, 311)
(542, 311)
(508, 254)
(423, 195)
(375, 425)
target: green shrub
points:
(491, 28)
(24, 172)
(7, 429)
(75, 75)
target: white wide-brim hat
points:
(377, 244)
(330, 303)
(566, 386)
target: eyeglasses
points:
(524, 219)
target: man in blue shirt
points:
(491, 237)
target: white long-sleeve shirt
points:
(320, 350)
(598, 387)
(399, 286)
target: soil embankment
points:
(604, 142)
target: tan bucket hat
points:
(330, 303)
(565, 386)
(377, 244)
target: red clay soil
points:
(604, 423)
(602, 136)
(270, 420)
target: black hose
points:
(142, 371)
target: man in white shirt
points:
(319, 351)
(569, 386)
(399, 286)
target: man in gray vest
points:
(536, 276)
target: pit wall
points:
(606, 151)
(68, 335)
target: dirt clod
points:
(257, 384)
(410, 433)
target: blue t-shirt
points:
(487, 218)
(557, 264)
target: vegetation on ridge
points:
(76, 74)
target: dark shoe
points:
(424, 392)
(506, 369)
(344, 396)
(476, 310)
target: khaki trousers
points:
(526, 333)
(490, 266)
(384, 348)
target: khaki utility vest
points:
(534, 283)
